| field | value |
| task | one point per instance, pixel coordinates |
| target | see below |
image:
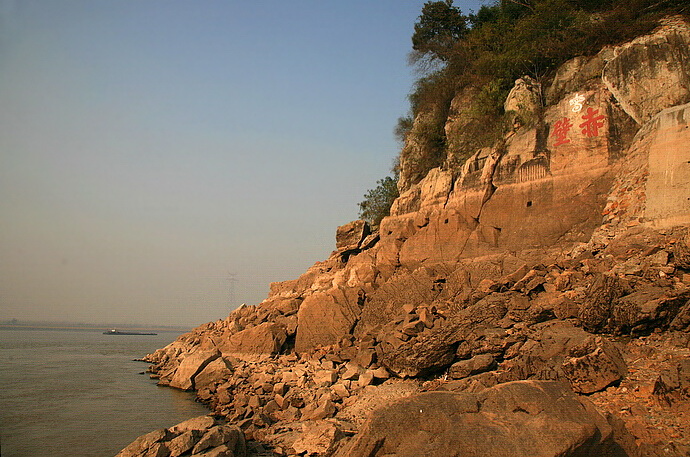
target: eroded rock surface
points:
(558, 258)
(524, 418)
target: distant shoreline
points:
(87, 327)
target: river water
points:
(79, 393)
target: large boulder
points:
(150, 443)
(597, 308)
(557, 350)
(325, 317)
(523, 418)
(266, 338)
(349, 236)
(427, 352)
(190, 366)
(215, 372)
(645, 310)
(593, 365)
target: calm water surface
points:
(79, 392)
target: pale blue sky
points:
(150, 147)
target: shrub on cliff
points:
(504, 41)
(377, 201)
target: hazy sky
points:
(151, 148)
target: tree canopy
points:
(439, 26)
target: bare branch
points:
(526, 5)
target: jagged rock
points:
(286, 306)
(477, 265)
(475, 365)
(157, 450)
(216, 371)
(651, 72)
(195, 423)
(325, 377)
(317, 438)
(365, 378)
(389, 299)
(196, 436)
(324, 318)
(190, 366)
(220, 451)
(645, 310)
(143, 444)
(430, 351)
(265, 338)
(593, 365)
(380, 373)
(557, 350)
(349, 236)
(597, 307)
(682, 320)
(182, 443)
(323, 409)
(369, 241)
(541, 419)
(365, 356)
(676, 378)
(681, 252)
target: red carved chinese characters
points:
(560, 131)
(593, 121)
(590, 127)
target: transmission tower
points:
(232, 280)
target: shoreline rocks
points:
(198, 436)
(547, 268)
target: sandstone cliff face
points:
(508, 267)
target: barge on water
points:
(121, 332)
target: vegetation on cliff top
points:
(483, 53)
(489, 50)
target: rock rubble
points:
(533, 276)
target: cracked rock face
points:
(651, 72)
(524, 418)
(558, 254)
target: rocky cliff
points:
(543, 285)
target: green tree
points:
(439, 27)
(377, 202)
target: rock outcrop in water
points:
(201, 435)
(555, 264)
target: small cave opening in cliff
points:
(529, 203)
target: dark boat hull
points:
(118, 332)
